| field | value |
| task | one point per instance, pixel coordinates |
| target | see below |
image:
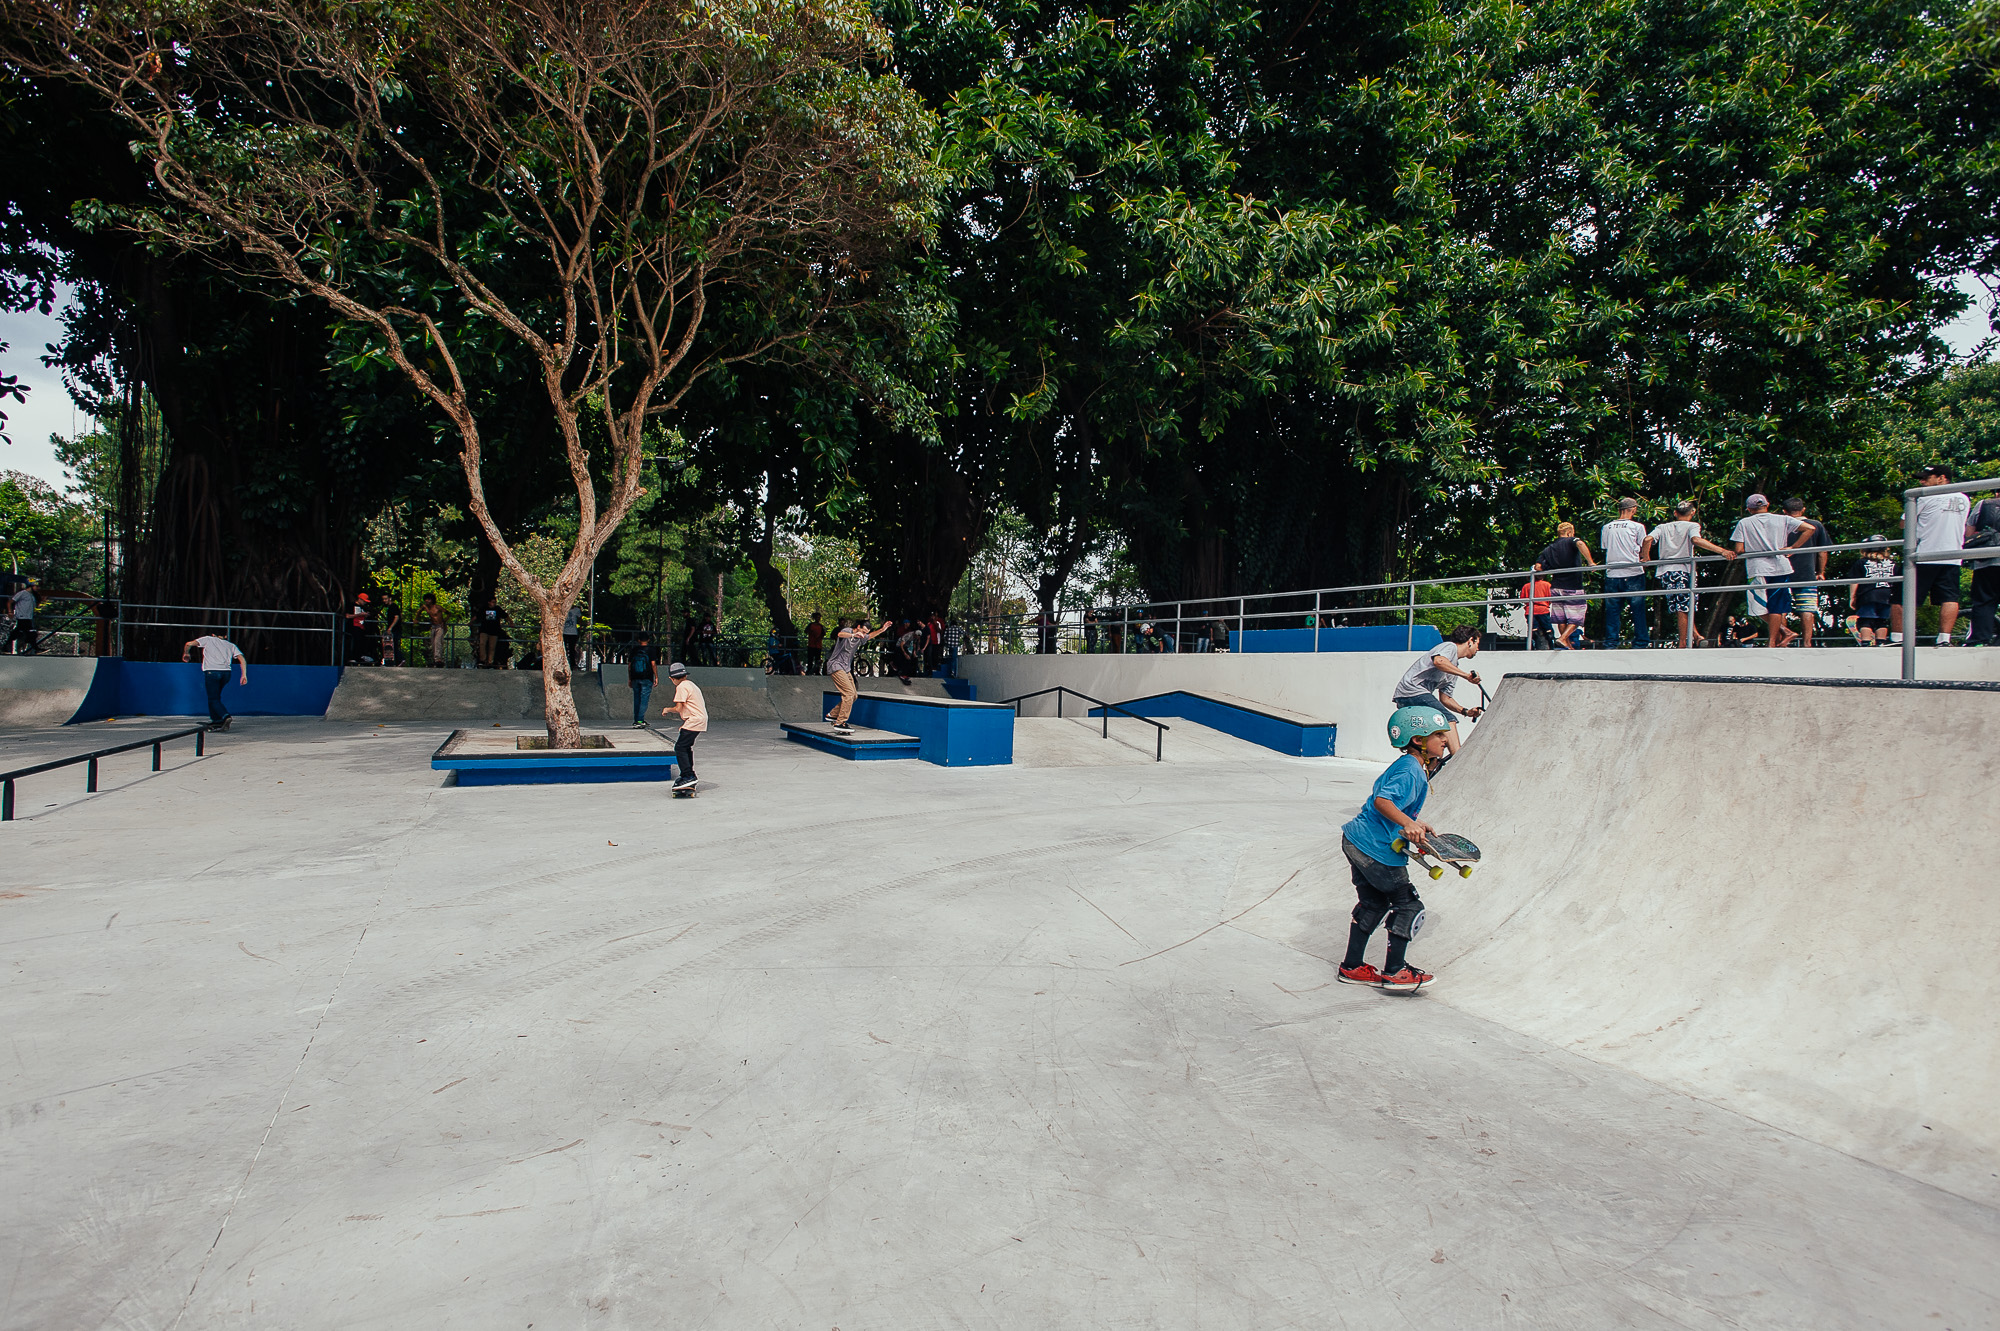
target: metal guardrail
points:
(7, 779)
(1160, 728)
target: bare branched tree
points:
(572, 185)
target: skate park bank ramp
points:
(1774, 896)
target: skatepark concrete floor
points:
(300, 1036)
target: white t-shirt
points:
(1423, 676)
(23, 603)
(1761, 534)
(1623, 540)
(1941, 524)
(1675, 540)
(216, 653)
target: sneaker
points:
(1407, 980)
(638, 725)
(1365, 973)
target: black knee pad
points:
(1407, 920)
(1367, 915)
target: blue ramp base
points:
(477, 766)
(1372, 638)
(949, 733)
(547, 775)
(1287, 732)
(862, 746)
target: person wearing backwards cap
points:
(693, 712)
(1763, 538)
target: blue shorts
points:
(1769, 598)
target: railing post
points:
(1059, 697)
(1410, 638)
(90, 777)
(1909, 584)
(156, 756)
(201, 733)
(6, 801)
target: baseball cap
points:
(677, 671)
(1756, 501)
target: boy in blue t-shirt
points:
(1381, 872)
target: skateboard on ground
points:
(1440, 849)
(687, 791)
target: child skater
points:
(1381, 873)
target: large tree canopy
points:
(1266, 297)
(563, 184)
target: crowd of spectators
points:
(1787, 563)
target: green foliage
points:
(47, 537)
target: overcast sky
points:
(49, 410)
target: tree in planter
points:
(563, 184)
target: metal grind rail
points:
(7, 779)
(1160, 728)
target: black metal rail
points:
(7, 779)
(1160, 728)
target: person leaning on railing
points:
(1564, 560)
(1678, 540)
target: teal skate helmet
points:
(1410, 724)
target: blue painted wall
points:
(171, 688)
(1381, 638)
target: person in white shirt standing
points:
(1940, 526)
(1678, 540)
(1625, 543)
(216, 656)
(22, 606)
(1765, 538)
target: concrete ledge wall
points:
(44, 690)
(388, 693)
(392, 693)
(1352, 689)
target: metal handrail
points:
(1124, 619)
(7, 779)
(1160, 728)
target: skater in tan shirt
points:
(693, 712)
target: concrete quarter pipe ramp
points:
(1773, 896)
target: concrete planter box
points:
(494, 758)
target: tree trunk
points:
(770, 578)
(558, 701)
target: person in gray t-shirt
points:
(1428, 681)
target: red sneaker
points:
(1365, 973)
(1407, 980)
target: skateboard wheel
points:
(1437, 871)
(1465, 871)
(1399, 845)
